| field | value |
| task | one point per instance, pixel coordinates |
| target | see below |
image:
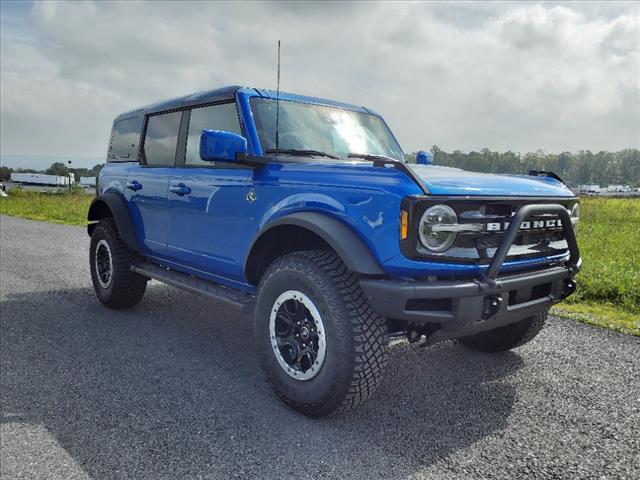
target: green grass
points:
(608, 291)
(69, 208)
(609, 282)
(601, 315)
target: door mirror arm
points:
(256, 161)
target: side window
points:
(215, 117)
(161, 139)
(125, 138)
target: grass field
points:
(608, 292)
(609, 283)
(69, 208)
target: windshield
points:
(334, 131)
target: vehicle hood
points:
(454, 181)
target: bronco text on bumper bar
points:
(468, 307)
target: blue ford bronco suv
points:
(307, 213)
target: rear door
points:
(206, 199)
(148, 182)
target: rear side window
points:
(161, 138)
(214, 117)
(125, 138)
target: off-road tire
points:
(507, 337)
(356, 337)
(126, 288)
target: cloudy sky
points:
(518, 76)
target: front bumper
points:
(467, 307)
(509, 298)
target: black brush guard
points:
(490, 301)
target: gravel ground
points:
(171, 389)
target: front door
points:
(206, 200)
(148, 182)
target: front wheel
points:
(116, 286)
(322, 347)
(507, 337)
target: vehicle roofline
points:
(203, 96)
(229, 92)
(295, 97)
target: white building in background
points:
(41, 179)
(589, 188)
(618, 188)
(88, 181)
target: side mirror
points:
(424, 158)
(221, 145)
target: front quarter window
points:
(333, 130)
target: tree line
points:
(583, 167)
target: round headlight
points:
(575, 215)
(433, 238)
(575, 212)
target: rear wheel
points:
(322, 347)
(507, 337)
(116, 286)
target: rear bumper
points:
(467, 307)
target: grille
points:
(541, 239)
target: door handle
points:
(180, 189)
(134, 185)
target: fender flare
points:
(117, 206)
(342, 239)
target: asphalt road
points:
(172, 389)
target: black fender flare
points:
(342, 239)
(112, 204)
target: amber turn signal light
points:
(404, 224)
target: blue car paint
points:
(453, 181)
(148, 206)
(203, 228)
(221, 146)
(208, 233)
(114, 178)
(247, 123)
(371, 208)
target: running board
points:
(192, 284)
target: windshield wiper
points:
(369, 156)
(305, 153)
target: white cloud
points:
(465, 76)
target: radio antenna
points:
(278, 104)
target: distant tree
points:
(96, 168)
(57, 168)
(5, 173)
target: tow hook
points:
(492, 304)
(413, 336)
(569, 288)
(416, 332)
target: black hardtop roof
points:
(208, 96)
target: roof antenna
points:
(278, 104)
